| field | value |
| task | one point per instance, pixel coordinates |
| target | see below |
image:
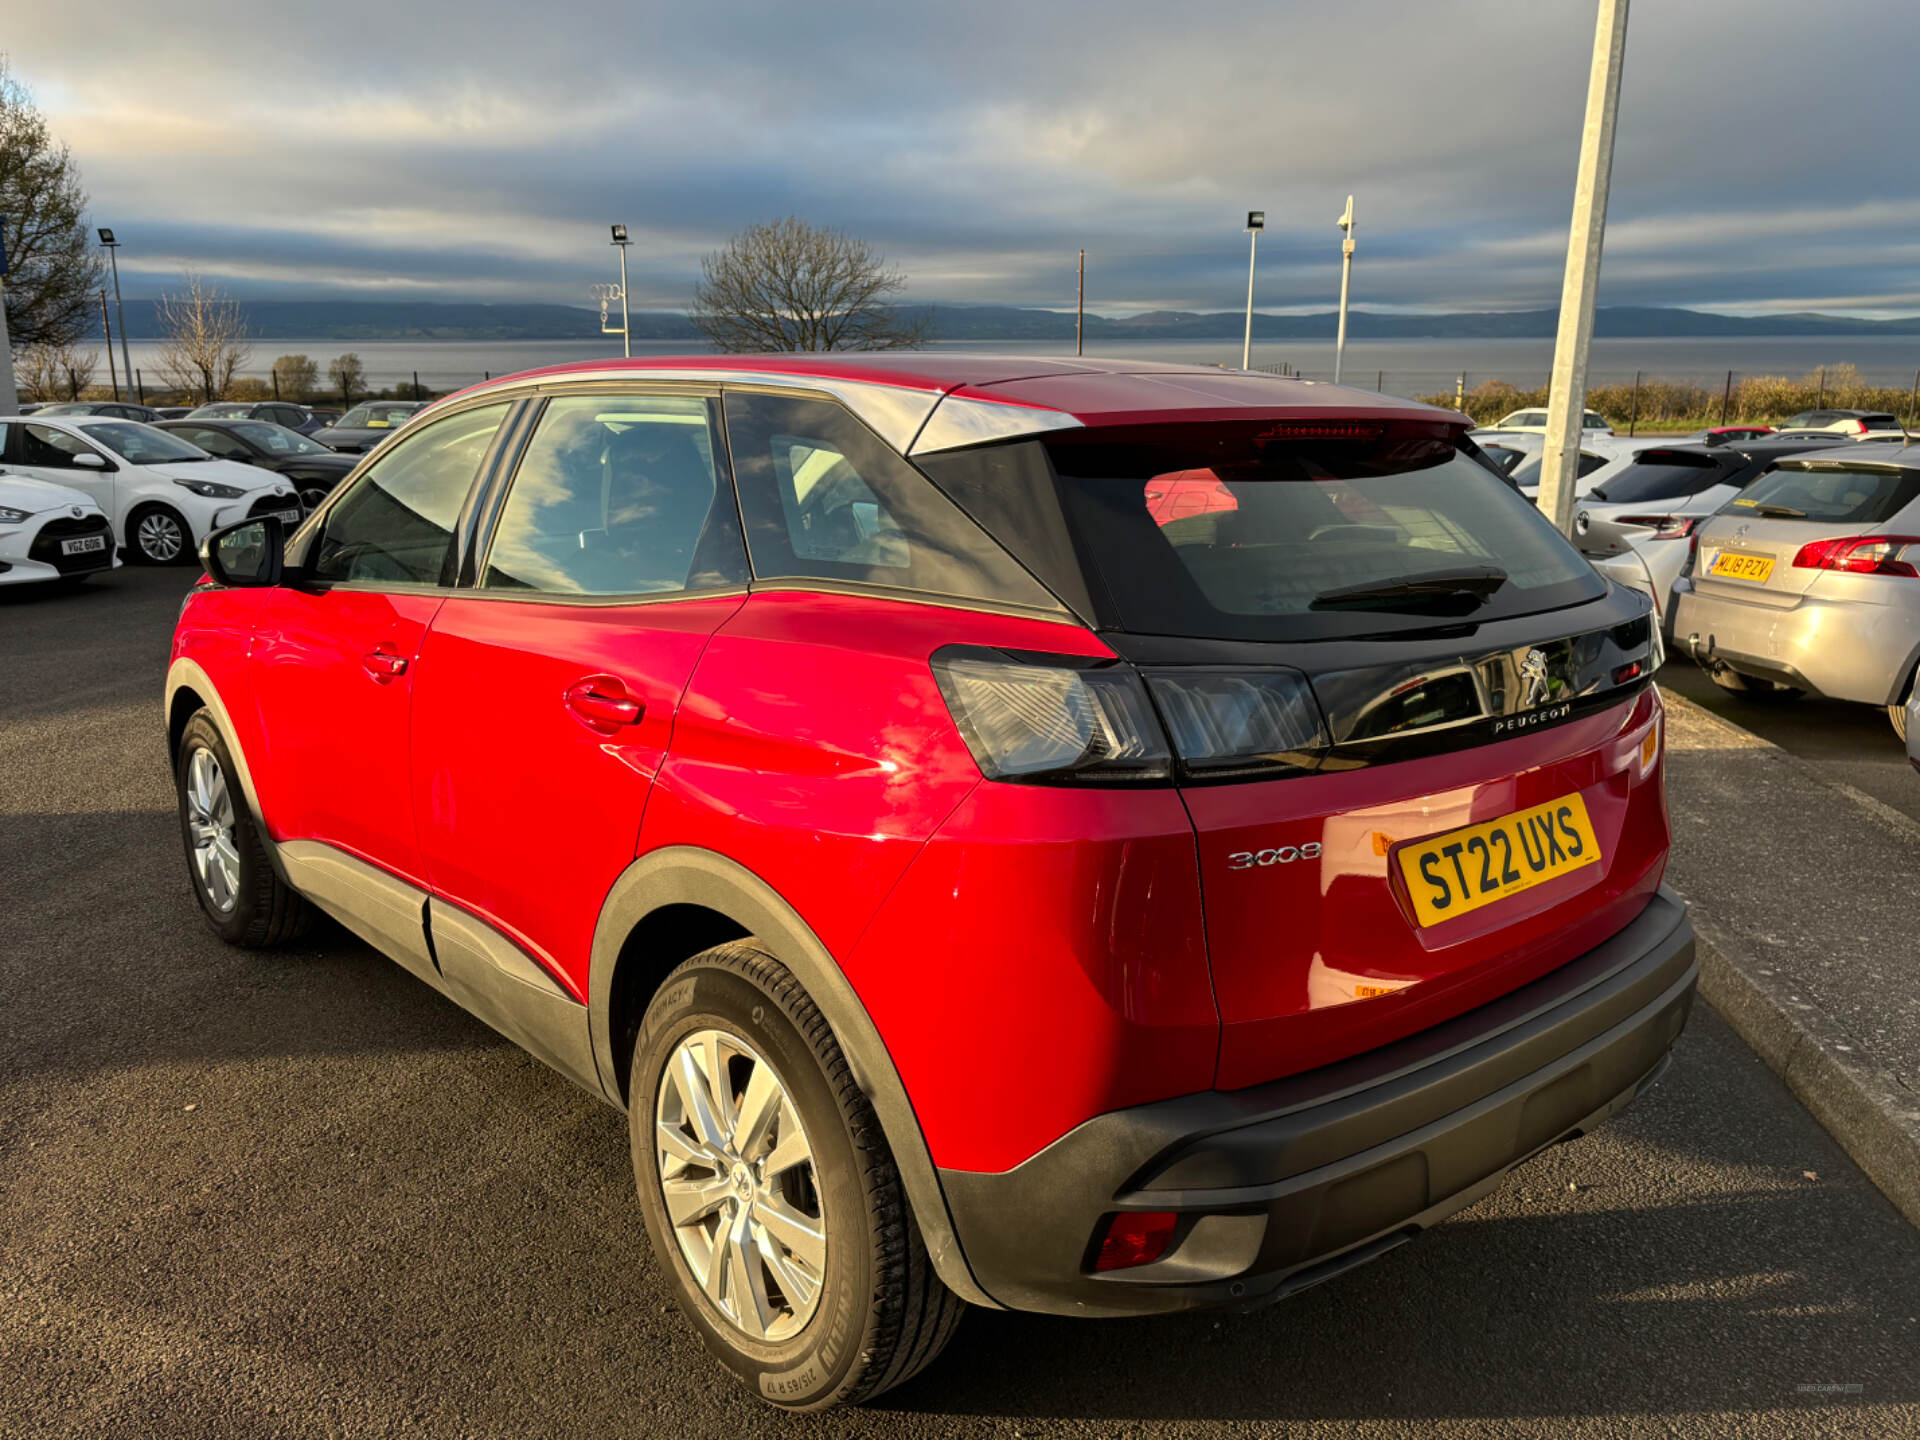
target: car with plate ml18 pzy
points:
(1085, 838)
(1634, 525)
(49, 533)
(162, 495)
(1809, 580)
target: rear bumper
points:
(1842, 649)
(1281, 1185)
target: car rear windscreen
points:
(1663, 475)
(1229, 533)
(1847, 495)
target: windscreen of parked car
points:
(143, 445)
(220, 410)
(1663, 475)
(1225, 533)
(278, 440)
(1526, 472)
(1842, 494)
(376, 417)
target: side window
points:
(1590, 462)
(395, 526)
(824, 498)
(618, 495)
(54, 449)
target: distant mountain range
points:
(350, 320)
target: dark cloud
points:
(480, 149)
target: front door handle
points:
(383, 665)
(603, 700)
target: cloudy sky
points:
(476, 151)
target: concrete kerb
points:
(1862, 1104)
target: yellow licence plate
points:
(1735, 566)
(1456, 873)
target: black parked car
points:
(111, 409)
(312, 468)
(274, 412)
(368, 423)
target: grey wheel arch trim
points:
(688, 875)
(185, 674)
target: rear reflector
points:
(1859, 555)
(1135, 1238)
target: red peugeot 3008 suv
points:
(1076, 837)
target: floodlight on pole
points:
(1256, 222)
(1567, 392)
(1345, 223)
(625, 332)
(112, 247)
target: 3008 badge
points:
(1284, 855)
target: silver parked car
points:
(1810, 580)
(1644, 512)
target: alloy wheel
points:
(160, 537)
(737, 1174)
(216, 858)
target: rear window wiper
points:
(1445, 591)
(1779, 512)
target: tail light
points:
(1859, 555)
(1135, 1237)
(1664, 527)
(1053, 718)
(1064, 720)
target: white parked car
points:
(161, 495)
(1519, 454)
(1534, 422)
(48, 532)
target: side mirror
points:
(248, 554)
(87, 460)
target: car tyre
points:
(1897, 712)
(158, 535)
(866, 1310)
(1752, 690)
(244, 900)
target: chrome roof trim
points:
(957, 421)
(895, 413)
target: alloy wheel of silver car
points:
(160, 537)
(216, 858)
(737, 1174)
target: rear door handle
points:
(383, 665)
(603, 700)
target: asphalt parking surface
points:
(299, 1194)
(1848, 744)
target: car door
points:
(333, 655)
(546, 689)
(49, 454)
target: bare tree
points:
(205, 338)
(75, 369)
(348, 376)
(789, 285)
(298, 376)
(37, 373)
(55, 271)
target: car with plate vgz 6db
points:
(1088, 838)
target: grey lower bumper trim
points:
(1280, 1185)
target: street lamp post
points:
(9, 397)
(620, 243)
(1567, 395)
(112, 247)
(1256, 222)
(1346, 278)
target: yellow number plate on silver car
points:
(1732, 565)
(1456, 873)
